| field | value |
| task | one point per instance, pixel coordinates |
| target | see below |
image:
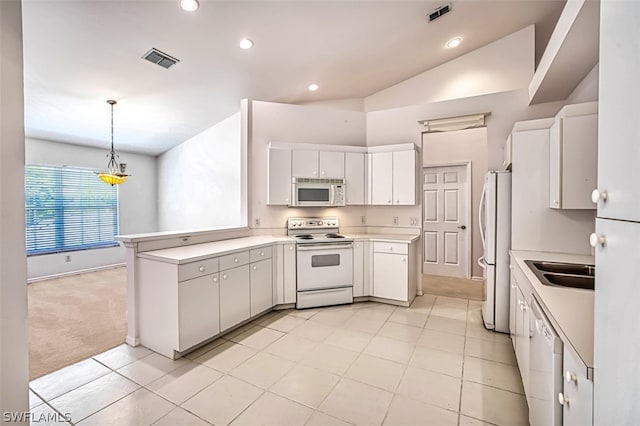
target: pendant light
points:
(115, 173)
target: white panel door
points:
(404, 177)
(331, 164)
(358, 268)
(198, 302)
(354, 174)
(234, 296)
(390, 276)
(446, 225)
(382, 178)
(304, 163)
(289, 273)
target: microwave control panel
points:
(338, 195)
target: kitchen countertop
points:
(196, 252)
(570, 310)
(390, 238)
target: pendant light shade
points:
(115, 173)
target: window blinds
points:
(68, 209)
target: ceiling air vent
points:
(439, 12)
(160, 58)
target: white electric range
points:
(324, 262)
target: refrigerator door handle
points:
(481, 223)
(481, 262)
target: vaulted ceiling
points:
(79, 53)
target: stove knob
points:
(320, 223)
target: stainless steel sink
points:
(574, 275)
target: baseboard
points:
(80, 271)
(477, 278)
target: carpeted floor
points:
(75, 317)
(452, 286)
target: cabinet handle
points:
(569, 377)
(290, 248)
(261, 253)
(357, 245)
(562, 399)
(397, 201)
(236, 260)
(390, 248)
(598, 195)
(555, 202)
(597, 240)
(389, 201)
(201, 269)
(254, 267)
(286, 200)
(215, 279)
(322, 173)
(225, 276)
(513, 286)
(404, 259)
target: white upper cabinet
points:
(331, 164)
(305, 163)
(354, 173)
(393, 177)
(318, 164)
(573, 164)
(619, 103)
(279, 185)
(404, 177)
(382, 178)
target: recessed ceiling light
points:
(245, 43)
(189, 5)
(313, 87)
(454, 42)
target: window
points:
(68, 209)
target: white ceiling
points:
(78, 54)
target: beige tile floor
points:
(362, 364)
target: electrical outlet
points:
(395, 220)
(414, 221)
(67, 258)
(363, 220)
(257, 221)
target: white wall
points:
(199, 181)
(137, 199)
(503, 65)
(298, 124)
(14, 370)
(587, 90)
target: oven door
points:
(324, 265)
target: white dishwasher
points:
(545, 370)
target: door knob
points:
(570, 377)
(462, 227)
(562, 399)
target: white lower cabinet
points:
(261, 286)
(513, 309)
(289, 273)
(198, 315)
(577, 395)
(522, 338)
(234, 296)
(358, 268)
(391, 271)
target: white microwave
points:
(315, 192)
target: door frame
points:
(468, 211)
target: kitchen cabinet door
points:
(304, 163)
(261, 286)
(331, 164)
(616, 330)
(279, 176)
(404, 178)
(234, 296)
(354, 173)
(577, 394)
(618, 104)
(358, 268)
(390, 276)
(382, 178)
(522, 337)
(289, 269)
(573, 146)
(513, 308)
(198, 314)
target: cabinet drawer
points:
(233, 260)
(397, 248)
(197, 269)
(261, 254)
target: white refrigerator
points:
(494, 219)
